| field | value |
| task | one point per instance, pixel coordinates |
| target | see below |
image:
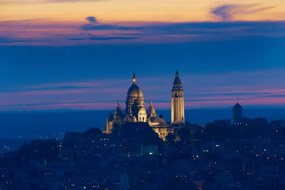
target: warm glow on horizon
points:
(128, 10)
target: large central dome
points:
(135, 100)
(135, 91)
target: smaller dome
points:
(142, 117)
(142, 111)
(151, 110)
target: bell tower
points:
(177, 102)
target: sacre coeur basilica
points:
(135, 110)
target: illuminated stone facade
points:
(135, 111)
(177, 102)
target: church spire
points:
(177, 81)
(150, 103)
(134, 78)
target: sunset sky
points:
(139, 10)
(80, 54)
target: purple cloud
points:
(228, 11)
(97, 32)
(91, 19)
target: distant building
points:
(237, 114)
(135, 110)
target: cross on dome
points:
(134, 78)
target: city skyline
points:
(142, 94)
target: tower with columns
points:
(177, 102)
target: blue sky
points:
(214, 73)
(81, 54)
